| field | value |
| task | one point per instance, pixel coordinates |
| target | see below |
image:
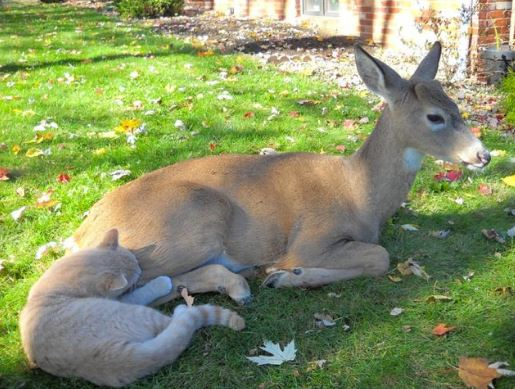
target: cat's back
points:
(72, 334)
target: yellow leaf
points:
(40, 137)
(394, 278)
(465, 115)
(16, 149)
(99, 151)
(33, 152)
(510, 180)
(46, 204)
(128, 125)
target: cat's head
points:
(107, 270)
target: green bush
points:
(508, 87)
(149, 8)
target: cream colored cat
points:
(72, 326)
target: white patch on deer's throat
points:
(412, 159)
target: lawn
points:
(92, 75)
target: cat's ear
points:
(110, 240)
(114, 282)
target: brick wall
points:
(405, 25)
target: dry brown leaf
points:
(438, 297)
(491, 234)
(475, 372)
(394, 278)
(442, 329)
(187, 298)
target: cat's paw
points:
(180, 309)
(162, 285)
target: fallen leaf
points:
(334, 295)
(510, 180)
(499, 366)
(396, 311)
(491, 234)
(307, 102)
(409, 227)
(476, 373)
(117, 174)
(33, 152)
(212, 146)
(323, 320)
(207, 53)
(476, 131)
(249, 115)
(20, 191)
(485, 190)
(316, 365)
(438, 297)
(46, 249)
(442, 329)
(187, 298)
(341, 148)
(63, 178)
(467, 277)
(504, 290)
(294, 114)
(15, 149)
(278, 356)
(498, 153)
(179, 124)
(4, 174)
(411, 267)
(511, 232)
(442, 234)
(268, 151)
(18, 213)
(394, 278)
(128, 125)
(349, 124)
(449, 176)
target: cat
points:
(82, 318)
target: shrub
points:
(149, 8)
(508, 87)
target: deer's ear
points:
(110, 240)
(429, 66)
(377, 76)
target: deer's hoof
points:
(245, 300)
(274, 280)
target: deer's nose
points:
(484, 156)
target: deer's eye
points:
(435, 119)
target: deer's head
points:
(423, 119)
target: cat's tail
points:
(174, 339)
(209, 315)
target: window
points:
(321, 7)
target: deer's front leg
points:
(342, 262)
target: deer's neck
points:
(388, 169)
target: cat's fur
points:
(72, 326)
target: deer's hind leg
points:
(341, 262)
(210, 278)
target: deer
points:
(306, 219)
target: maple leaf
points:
(450, 176)
(278, 356)
(442, 329)
(485, 190)
(63, 178)
(476, 373)
(4, 174)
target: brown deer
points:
(308, 219)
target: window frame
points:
(324, 12)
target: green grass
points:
(508, 87)
(39, 44)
